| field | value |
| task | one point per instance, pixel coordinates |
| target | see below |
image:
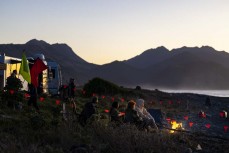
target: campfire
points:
(175, 126)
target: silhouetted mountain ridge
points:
(181, 68)
(149, 57)
(36, 42)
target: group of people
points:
(135, 113)
(68, 91)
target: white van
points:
(55, 77)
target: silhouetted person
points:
(89, 109)
(14, 74)
(64, 92)
(12, 82)
(33, 97)
(115, 115)
(71, 88)
(13, 85)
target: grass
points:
(24, 131)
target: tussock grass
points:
(127, 138)
(24, 131)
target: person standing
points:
(14, 74)
(33, 97)
(13, 86)
(71, 88)
(71, 93)
(13, 83)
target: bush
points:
(138, 88)
(100, 86)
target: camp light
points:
(225, 127)
(191, 124)
(41, 99)
(106, 111)
(57, 102)
(186, 118)
(208, 125)
(11, 92)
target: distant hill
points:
(120, 73)
(72, 65)
(181, 68)
(188, 71)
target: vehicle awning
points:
(12, 61)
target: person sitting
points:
(115, 115)
(144, 114)
(89, 109)
(132, 117)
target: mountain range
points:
(181, 68)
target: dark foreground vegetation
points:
(22, 130)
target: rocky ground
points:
(210, 131)
(185, 108)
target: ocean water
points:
(217, 93)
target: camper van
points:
(48, 81)
(55, 78)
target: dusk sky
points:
(101, 31)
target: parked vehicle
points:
(49, 80)
(55, 77)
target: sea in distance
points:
(217, 93)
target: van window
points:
(53, 73)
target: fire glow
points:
(175, 126)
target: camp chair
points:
(158, 116)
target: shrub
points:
(138, 88)
(100, 86)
